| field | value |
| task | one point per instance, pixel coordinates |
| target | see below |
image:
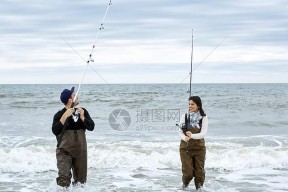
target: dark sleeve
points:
(88, 122)
(57, 126)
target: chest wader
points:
(72, 154)
(192, 155)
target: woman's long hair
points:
(198, 102)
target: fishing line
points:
(84, 60)
(211, 52)
(205, 58)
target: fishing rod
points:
(191, 64)
(90, 59)
(190, 90)
(184, 127)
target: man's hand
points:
(67, 114)
(81, 113)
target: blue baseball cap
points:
(66, 94)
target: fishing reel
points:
(183, 127)
(75, 116)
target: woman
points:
(193, 129)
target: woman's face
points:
(193, 106)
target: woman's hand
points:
(189, 134)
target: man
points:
(72, 151)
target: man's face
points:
(72, 99)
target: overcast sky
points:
(144, 41)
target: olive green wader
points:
(72, 154)
(193, 160)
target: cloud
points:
(153, 37)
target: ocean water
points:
(247, 141)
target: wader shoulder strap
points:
(200, 123)
(187, 120)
